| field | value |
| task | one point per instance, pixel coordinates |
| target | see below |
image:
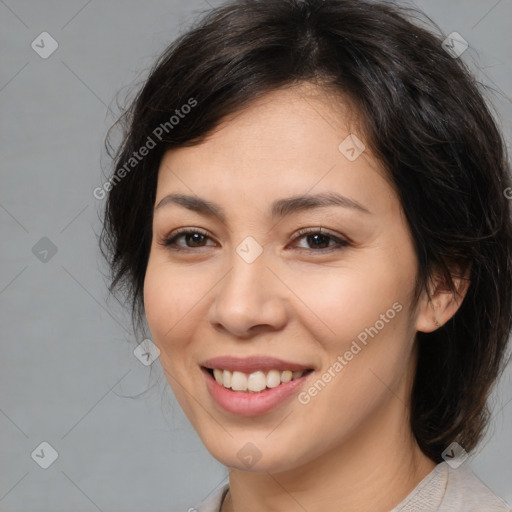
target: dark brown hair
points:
(423, 117)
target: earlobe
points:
(444, 303)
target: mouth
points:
(253, 386)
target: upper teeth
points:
(256, 381)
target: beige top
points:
(444, 489)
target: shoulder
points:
(213, 502)
(447, 489)
(443, 490)
(465, 488)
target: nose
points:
(250, 299)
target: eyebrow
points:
(279, 208)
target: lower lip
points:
(250, 404)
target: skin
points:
(351, 446)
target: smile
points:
(252, 386)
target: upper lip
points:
(252, 364)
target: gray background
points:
(68, 375)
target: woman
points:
(309, 210)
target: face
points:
(261, 285)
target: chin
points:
(257, 455)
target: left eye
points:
(320, 240)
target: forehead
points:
(288, 121)
(286, 142)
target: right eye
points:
(193, 236)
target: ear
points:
(434, 313)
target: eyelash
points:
(170, 241)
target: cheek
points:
(156, 302)
(373, 337)
(168, 302)
(346, 301)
